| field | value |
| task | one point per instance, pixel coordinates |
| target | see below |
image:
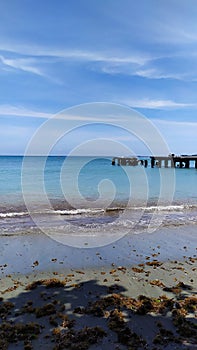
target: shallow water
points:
(87, 195)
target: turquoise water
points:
(90, 192)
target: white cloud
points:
(24, 64)
(158, 104)
(18, 111)
(176, 34)
(141, 63)
(183, 124)
(153, 73)
(33, 58)
(80, 55)
(101, 57)
(22, 112)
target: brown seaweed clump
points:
(111, 307)
(165, 336)
(77, 340)
(125, 335)
(178, 288)
(131, 339)
(140, 306)
(12, 333)
(186, 328)
(99, 307)
(48, 283)
(5, 308)
(157, 283)
(190, 304)
(45, 310)
(137, 269)
(3, 344)
(28, 346)
(154, 263)
(116, 320)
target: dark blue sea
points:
(88, 196)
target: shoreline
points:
(18, 254)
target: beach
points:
(98, 175)
(138, 293)
(101, 274)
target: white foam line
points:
(9, 215)
(79, 211)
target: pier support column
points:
(187, 164)
(123, 161)
(152, 162)
(145, 163)
(166, 163)
(173, 163)
(159, 163)
(195, 164)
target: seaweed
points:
(77, 340)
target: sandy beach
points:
(139, 295)
(98, 175)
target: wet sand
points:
(18, 253)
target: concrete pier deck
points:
(170, 161)
(173, 161)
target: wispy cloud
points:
(25, 64)
(104, 57)
(24, 112)
(80, 55)
(177, 35)
(129, 63)
(158, 104)
(175, 123)
(9, 110)
(67, 115)
(34, 58)
(153, 73)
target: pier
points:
(170, 161)
(173, 161)
(130, 161)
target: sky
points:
(55, 55)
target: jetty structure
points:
(170, 161)
(131, 161)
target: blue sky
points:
(58, 54)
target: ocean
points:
(88, 197)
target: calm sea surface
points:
(91, 194)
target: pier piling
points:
(170, 161)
